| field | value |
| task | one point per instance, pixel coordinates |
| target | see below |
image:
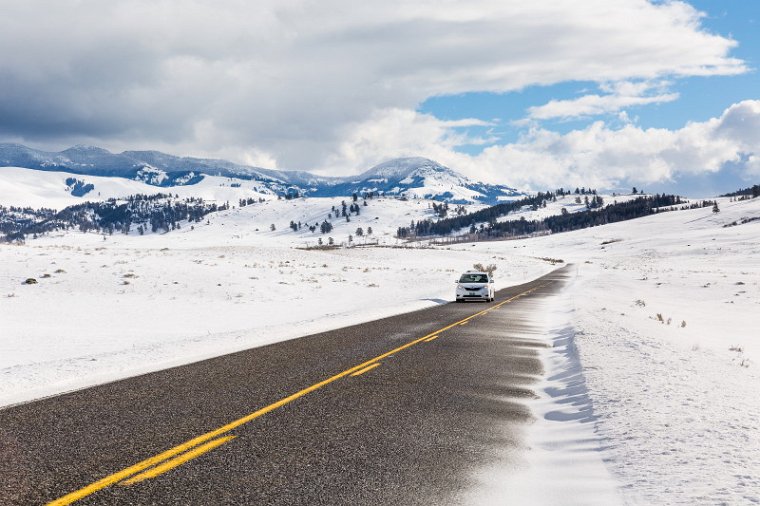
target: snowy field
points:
(665, 311)
(651, 389)
(108, 308)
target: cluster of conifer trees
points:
(488, 215)
(157, 213)
(751, 192)
(483, 224)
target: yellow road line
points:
(152, 461)
(431, 338)
(366, 369)
(177, 461)
(126, 473)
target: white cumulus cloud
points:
(598, 155)
(621, 95)
(607, 157)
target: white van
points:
(475, 285)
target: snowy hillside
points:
(378, 219)
(413, 177)
(567, 203)
(24, 187)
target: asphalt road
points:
(379, 413)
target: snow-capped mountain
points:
(404, 177)
(424, 178)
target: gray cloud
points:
(288, 81)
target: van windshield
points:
(473, 278)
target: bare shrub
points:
(490, 268)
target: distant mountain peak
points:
(404, 167)
(84, 148)
(419, 177)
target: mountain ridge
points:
(411, 177)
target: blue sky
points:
(600, 93)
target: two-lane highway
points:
(403, 410)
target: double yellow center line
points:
(197, 446)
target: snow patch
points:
(151, 175)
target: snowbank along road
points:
(403, 410)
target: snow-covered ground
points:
(564, 463)
(665, 315)
(655, 366)
(106, 308)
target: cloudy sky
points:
(532, 93)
